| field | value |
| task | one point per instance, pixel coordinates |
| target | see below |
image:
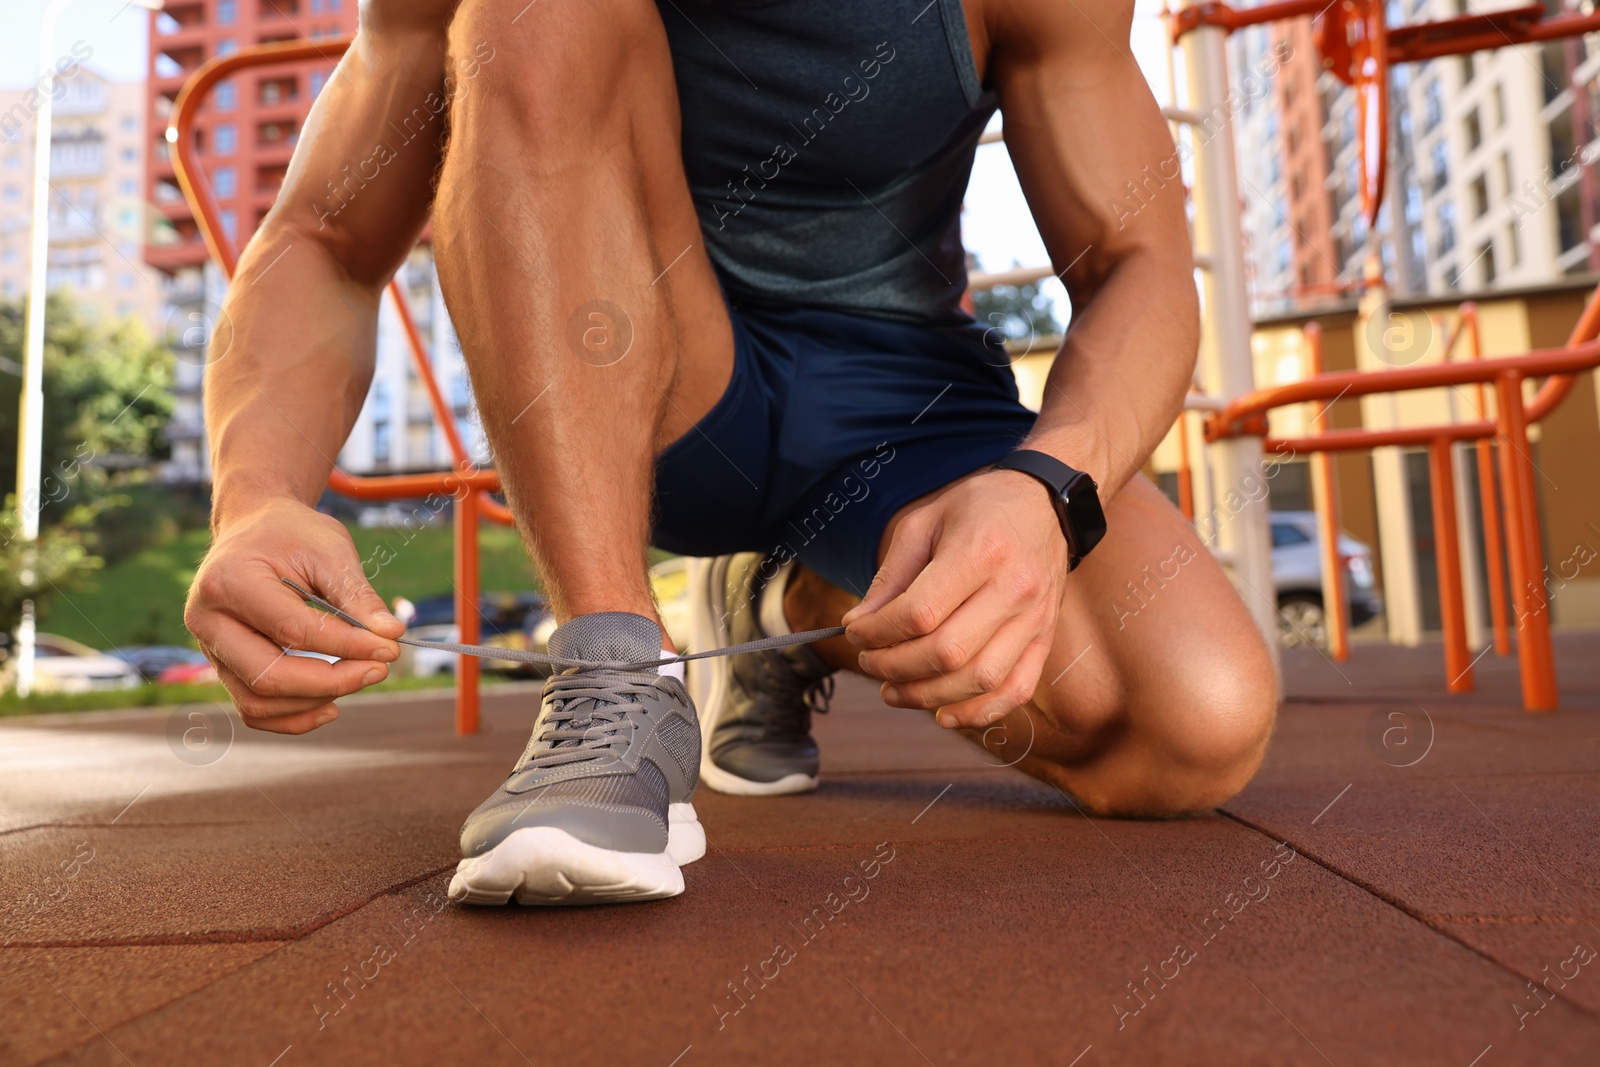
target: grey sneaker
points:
(597, 808)
(756, 707)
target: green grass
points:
(140, 600)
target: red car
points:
(188, 674)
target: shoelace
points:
(572, 733)
(518, 655)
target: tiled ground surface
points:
(283, 903)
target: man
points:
(707, 255)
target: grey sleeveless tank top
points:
(828, 146)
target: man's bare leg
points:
(573, 266)
(1158, 695)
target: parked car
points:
(525, 621)
(62, 665)
(152, 660)
(1297, 576)
(201, 673)
(505, 620)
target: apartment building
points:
(246, 133)
(1488, 178)
(96, 202)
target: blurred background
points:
(1491, 196)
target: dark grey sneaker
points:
(597, 808)
(755, 707)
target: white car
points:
(1297, 574)
(62, 665)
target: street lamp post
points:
(30, 428)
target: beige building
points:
(96, 205)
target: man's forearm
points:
(291, 358)
(1124, 368)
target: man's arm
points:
(1101, 175)
(963, 610)
(291, 359)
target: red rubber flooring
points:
(1412, 879)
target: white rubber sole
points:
(708, 686)
(543, 865)
(714, 777)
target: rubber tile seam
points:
(1403, 908)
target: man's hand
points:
(245, 617)
(963, 611)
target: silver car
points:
(1297, 576)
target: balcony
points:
(177, 256)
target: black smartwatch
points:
(1074, 495)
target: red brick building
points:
(249, 126)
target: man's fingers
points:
(909, 551)
(345, 586)
(1018, 688)
(277, 612)
(986, 672)
(951, 647)
(279, 715)
(939, 588)
(269, 672)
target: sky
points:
(998, 226)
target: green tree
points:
(107, 399)
(1017, 311)
(107, 390)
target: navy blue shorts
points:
(831, 423)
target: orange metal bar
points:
(1447, 564)
(1337, 613)
(1488, 498)
(1355, 440)
(1558, 361)
(466, 567)
(1185, 470)
(1527, 557)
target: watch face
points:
(1084, 513)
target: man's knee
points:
(1209, 724)
(1180, 737)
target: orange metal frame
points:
(466, 484)
(1510, 425)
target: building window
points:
(1499, 96)
(318, 80)
(1569, 219)
(13, 194)
(1479, 191)
(1473, 130)
(230, 225)
(1468, 69)
(1505, 173)
(1439, 161)
(125, 280)
(1432, 106)
(1486, 260)
(225, 182)
(227, 46)
(1447, 229)
(227, 12)
(1514, 245)
(129, 124)
(225, 139)
(225, 97)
